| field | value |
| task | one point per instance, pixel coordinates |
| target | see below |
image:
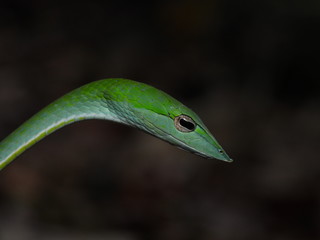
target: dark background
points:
(249, 68)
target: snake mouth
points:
(177, 142)
(184, 146)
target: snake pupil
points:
(188, 125)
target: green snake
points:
(120, 100)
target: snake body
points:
(120, 100)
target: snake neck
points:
(78, 105)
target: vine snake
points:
(120, 100)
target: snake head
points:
(159, 114)
(184, 131)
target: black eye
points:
(184, 123)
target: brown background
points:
(249, 68)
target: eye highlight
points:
(184, 123)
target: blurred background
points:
(249, 68)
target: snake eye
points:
(184, 123)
